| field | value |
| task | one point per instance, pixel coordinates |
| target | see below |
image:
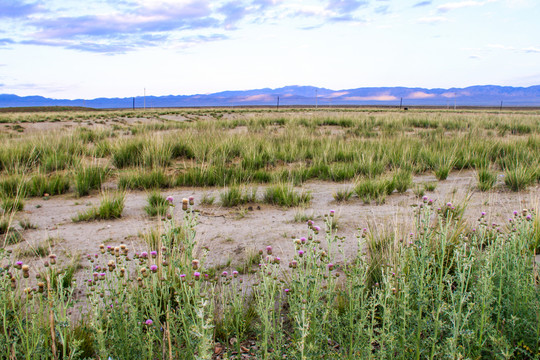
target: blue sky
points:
(116, 48)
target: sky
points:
(87, 49)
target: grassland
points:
(446, 284)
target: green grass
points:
(55, 184)
(285, 195)
(157, 204)
(518, 177)
(402, 180)
(89, 178)
(111, 207)
(12, 204)
(343, 195)
(486, 179)
(235, 195)
(374, 190)
(144, 180)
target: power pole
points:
(501, 106)
(277, 103)
(316, 98)
(400, 103)
(134, 103)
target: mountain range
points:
(481, 95)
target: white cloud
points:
(531, 49)
(461, 4)
(431, 20)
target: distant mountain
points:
(488, 95)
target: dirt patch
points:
(231, 232)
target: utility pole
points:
(134, 103)
(400, 103)
(316, 98)
(277, 103)
(501, 106)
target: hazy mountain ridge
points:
(480, 95)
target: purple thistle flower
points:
(224, 274)
(269, 250)
(153, 254)
(528, 217)
(197, 275)
(144, 255)
(235, 273)
(170, 199)
(149, 322)
(287, 291)
(153, 268)
(303, 240)
(300, 253)
(330, 266)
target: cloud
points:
(431, 20)
(6, 41)
(531, 49)
(381, 97)
(474, 56)
(233, 12)
(382, 9)
(342, 10)
(422, 3)
(17, 9)
(420, 95)
(461, 4)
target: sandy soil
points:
(231, 232)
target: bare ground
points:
(231, 232)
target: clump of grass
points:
(157, 204)
(402, 180)
(343, 195)
(12, 204)
(144, 180)
(56, 184)
(518, 177)
(430, 186)
(444, 164)
(13, 186)
(285, 195)
(486, 179)
(26, 224)
(127, 153)
(89, 178)
(374, 190)
(207, 199)
(235, 196)
(301, 216)
(111, 207)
